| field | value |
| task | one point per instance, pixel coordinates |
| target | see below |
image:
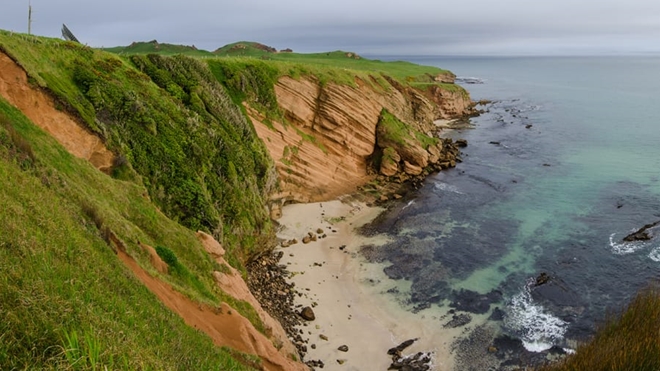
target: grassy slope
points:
(61, 282)
(176, 131)
(185, 145)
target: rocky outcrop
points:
(324, 148)
(642, 234)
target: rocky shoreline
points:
(270, 280)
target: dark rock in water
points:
(307, 314)
(461, 143)
(458, 321)
(473, 302)
(642, 234)
(542, 279)
(497, 315)
(528, 126)
(556, 296)
(401, 347)
(495, 143)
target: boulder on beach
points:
(307, 314)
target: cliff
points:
(326, 142)
(136, 190)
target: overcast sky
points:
(385, 27)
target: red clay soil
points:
(224, 325)
(40, 108)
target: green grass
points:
(338, 66)
(67, 301)
(176, 129)
(629, 341)
(391, 129)
(154, 46)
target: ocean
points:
(527, 230)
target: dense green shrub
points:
(192, 145)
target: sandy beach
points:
(346, 292)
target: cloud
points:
(364, 26)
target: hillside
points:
(110, 165)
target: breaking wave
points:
(623, 248)
(446, 188)
(537, 329)
(655, 254)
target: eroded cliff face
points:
(323, 149)
(41, 108)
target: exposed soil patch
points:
(41, 109)
(223, 324)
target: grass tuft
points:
(627, 341)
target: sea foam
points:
(655, 254)
(446, 188)
(624, 248)
(537, 329)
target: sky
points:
(368, 27)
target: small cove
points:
(560, 167)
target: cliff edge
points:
(329, 141)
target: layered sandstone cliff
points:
(324, 148)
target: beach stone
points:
(323, 337)
(417, 362)
(343, 348)
(341, 361)
(307, 314)
(306, 239)
(319, 231)
(461, 143)
(401, 347)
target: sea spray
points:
(537, 329)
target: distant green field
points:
(406, 72)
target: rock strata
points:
(323, 144)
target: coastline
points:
(347, 294)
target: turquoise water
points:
(556, 197)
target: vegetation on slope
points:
(67, 301)
(629, 341)
(337, 66)
(175, 130)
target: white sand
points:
(351, 308)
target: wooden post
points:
(30, 18)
